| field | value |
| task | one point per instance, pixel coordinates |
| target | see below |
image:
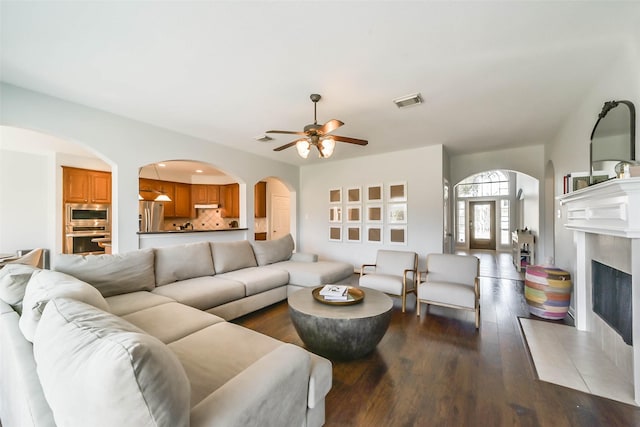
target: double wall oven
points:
(83, 224)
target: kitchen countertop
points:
(190, 231)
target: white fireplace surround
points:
(605, 219)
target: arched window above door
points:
(484, 184)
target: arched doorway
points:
(490, 205)
(272, 207)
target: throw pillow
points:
(112, 274)
(13, 282)
(231, 256)
(98, 369)
(183, 262)
(45, 285)
(270, 251)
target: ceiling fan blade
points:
(285, 146)
(288, 132)
(350, 140)
(330, 126)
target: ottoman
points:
(547, 291)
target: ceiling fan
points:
(317, 136)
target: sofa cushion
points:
(160, 321)
(46, 285)
(182, 262)
(257, 279)
(203, 293)
(310, 274)
(98, 369)
(13, 282)
(270, 251)
(214, 343)
(230, 256)
(135, 301)
(112, 274)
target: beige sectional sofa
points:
(142, 339)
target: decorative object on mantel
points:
(613, 139)
(547, 291)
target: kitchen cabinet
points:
(260, 199)
(230, 198)
(205, 194)
(182, 200)
(85, 186)
(149, 188)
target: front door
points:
(482, 225)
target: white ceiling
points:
(492, 74)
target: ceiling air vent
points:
(409, 100)
(263, 138)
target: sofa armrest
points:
(303, 257)
(270, 392)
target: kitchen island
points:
(157, 239)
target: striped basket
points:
(547, 291)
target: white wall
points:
(529, 203)
(126, 145)
(421, 169)
(27, 205)
(569, 152)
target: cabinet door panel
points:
(76, 185)
(199, 194)
(182, 200)
(260, 200)
(100, 185)
(213, 194)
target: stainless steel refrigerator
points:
(151, 216)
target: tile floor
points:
(565, 356)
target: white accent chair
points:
(394, 273)
(34, 258)
(451, 281)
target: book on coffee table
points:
(335, 292)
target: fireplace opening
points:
(612, 298)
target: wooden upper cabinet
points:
(198, 194)
(146, 188)
(169, 189)
(230, 198)
(205, 194)
(182, 200)
(100, 187)
(85, 186)
(213, 194)
(260, 200)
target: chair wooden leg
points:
(404, 301)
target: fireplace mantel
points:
(611, 207)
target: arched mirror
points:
(613, 140)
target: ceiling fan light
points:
(326, 147)
(304, 147)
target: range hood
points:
(212, 206)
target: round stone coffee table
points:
(341, 332)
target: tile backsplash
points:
(207, 219)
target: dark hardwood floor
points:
(436, 370)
